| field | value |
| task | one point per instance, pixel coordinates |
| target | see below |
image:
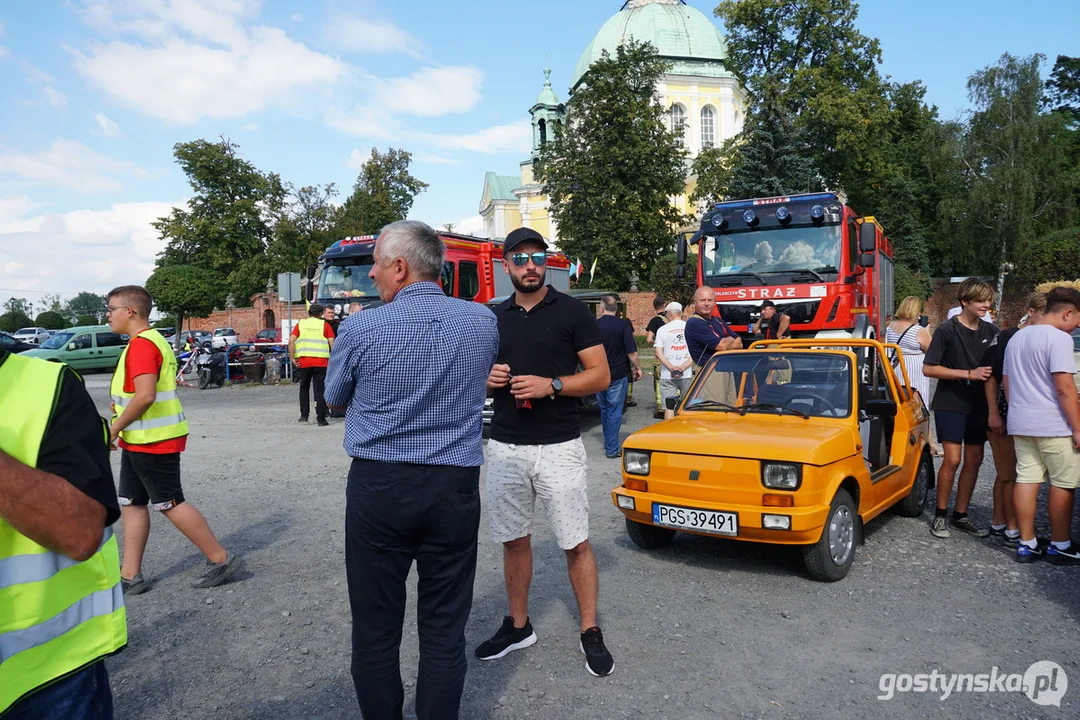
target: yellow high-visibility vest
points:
(164, 420)
(57, 615)
(311, 340)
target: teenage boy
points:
(1044, 420)
(955, 360)
(151, 430)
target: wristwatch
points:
(556, 387)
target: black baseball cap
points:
(767, 303)
(523, 235)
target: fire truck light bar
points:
(740, 204)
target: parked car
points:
(200, 336)
(32, 335)
(13, 344)
(224, 336)
(166, 332)
(784, 444)
(88, 347)
(269, 335)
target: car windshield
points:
(26, 331)
(57, 341)
(344, 281)
(809, 384)
(779, 250)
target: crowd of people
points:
(412, 378)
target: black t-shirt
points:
(544, 341)
(655, 324)
(75, 444)
(955, 346)
(618, 343)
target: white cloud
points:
(108, 127)
(67, 163)
(365, 35)
(92, 250)
(432, 92)
(215, 21)
(470, 226)
(56, 99)
(513, 137)
(432, 159)
(251, 127)
(3, 51)
(296, 17)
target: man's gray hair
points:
(609, 303)
(417, 244)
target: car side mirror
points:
(880, 408)
(71, 346)
(671, 403)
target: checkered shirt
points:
(414, 374)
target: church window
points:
(708, 126)
(543, 131)
(677, 118)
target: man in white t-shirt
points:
(677, 367)
(1044, 422)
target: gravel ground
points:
(706, 628)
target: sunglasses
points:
(522, 259)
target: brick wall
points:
(266, 311)
(943, 298)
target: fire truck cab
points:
(471, 272)
(827, 268)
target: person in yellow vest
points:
(310, 344)
(61, 602)
(151, 430)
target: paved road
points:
(703, 629)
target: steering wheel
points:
(818, 398)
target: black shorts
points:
(960, 428)
(150, 479)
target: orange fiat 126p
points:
(793, 442)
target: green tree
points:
(86, 320)
(86, 304)
(226, 227)
(1051, 257)
(14, 320)
(182, 291)
(663, 282)
(303, 229)
(611, 172)
(51, 320)
(1063, 94)
(19, 305)
(1019, 181)
(384, 193)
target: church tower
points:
(547, 115)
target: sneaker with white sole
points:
(598, 660)
(940, 528)
(507, 640)
(1025, 554)
(1068, 556)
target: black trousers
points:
(395, 514)
(318, 374)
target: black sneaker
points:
(1009, 541)
(965, 525)
(598, 660)
(1068, 556)
(217, 573)
(303, 418)
(940, 528)
(507, 640)
(134, 586)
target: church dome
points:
(681, 34)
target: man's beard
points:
(528, 284)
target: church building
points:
(701, 96)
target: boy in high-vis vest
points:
(150, 428)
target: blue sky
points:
(94, 93)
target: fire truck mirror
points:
(868, 239)
(680, 255)
(866, 260)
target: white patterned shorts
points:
(518, 474)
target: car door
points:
(80, 352)
(109, 346)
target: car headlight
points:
(636, 462)
(781, 476)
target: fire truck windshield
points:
(814, 250)
(339, 282)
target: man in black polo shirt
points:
(621, 353)
(535, 447)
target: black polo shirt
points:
(544, 341)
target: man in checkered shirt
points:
(413, 374)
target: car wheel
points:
(830, 558)
(204, 378)
(649, 537)
(913, 504)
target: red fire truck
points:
(471, 272)
(829, 269)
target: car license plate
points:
(707, 521)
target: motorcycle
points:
(211, 367)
